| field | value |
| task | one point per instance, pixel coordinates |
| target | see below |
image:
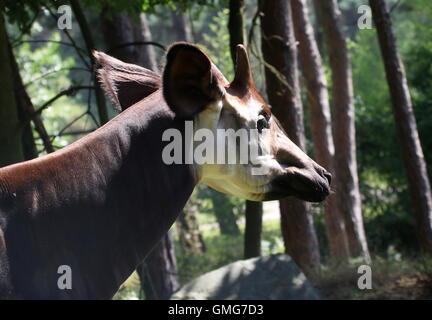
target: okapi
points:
(100, 204)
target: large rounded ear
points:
(189, 80)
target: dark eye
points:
(263, 122)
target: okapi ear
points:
(190, 81)
(125, 84)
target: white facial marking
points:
(249, 180)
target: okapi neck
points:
(98, 206)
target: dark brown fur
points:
(98, 205)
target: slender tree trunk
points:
(236, 26)
(27, 138)
(279, 50)
(117, 29)
(88, 39)
(320, 122)
(224, 214)
(253, 229)
(349, 202)
(191, 239)
(253, 210)
(406, 127)
(145, 54)
(158, 272)
(11, 149)
(181, 26)
(319, 32)
(25, 109)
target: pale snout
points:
(300, 176)
(310, 183)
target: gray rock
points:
(273, 277)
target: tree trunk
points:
(406, 127)
(11, 149)
(117, 29)
(22, 102)
(253, 210)
(224, 213)
(25, 110)
(88, 40)
(348, 200)
(253, 229)
(158, 272)
(181, 26)
(279, 50)
(145, 54)
(320, 122)
(236, 25)
(191, 239)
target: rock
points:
(273, 277)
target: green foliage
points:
(271, 238)
(373, 108)
(418, 59)
(23, 12)
(45, 71)
(137, 6)
(224, 249)
(226, 208)
(204, 195)
(217, 43)
(220, 250)
(386, 207)
(130, 289)
(386, 203)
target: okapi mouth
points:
(307, 187)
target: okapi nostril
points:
(328, 176)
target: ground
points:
(409, 287)
(417, 286)
(403, 280)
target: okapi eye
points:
(262, 123)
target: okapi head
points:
(196, 90)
